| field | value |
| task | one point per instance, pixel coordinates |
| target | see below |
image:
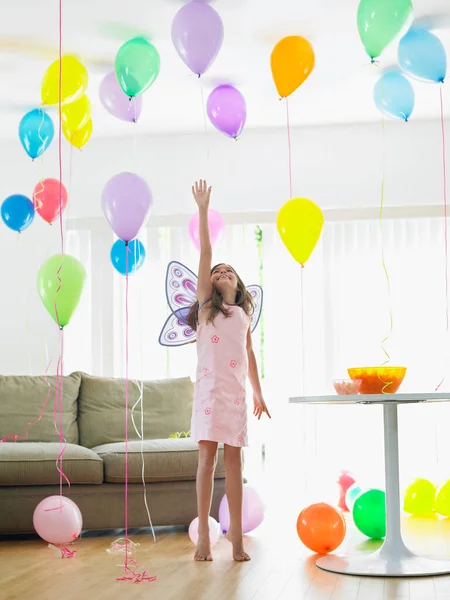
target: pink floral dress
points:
(220, 409)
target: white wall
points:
(336, 166)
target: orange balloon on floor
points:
(321, 528)
(292, 61)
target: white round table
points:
(393, 559)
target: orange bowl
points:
(378, 380)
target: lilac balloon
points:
(117, 102)
(126, 202)
(252, 511)
(197, 34)
(216, 227)
(227, 110)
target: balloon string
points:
(60, 127)
(302, 302)
(205, 120)
(126, 401)
(288, 125)
(383, 261)
(444, 171)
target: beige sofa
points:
(94, 459)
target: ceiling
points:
(338, 91)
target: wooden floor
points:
(281, 568)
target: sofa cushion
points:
(101, 417)
(34, 463)
(21, 401)
(164, 460)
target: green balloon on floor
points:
(369, 514)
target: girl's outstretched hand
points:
(201, 193)
(260, 406)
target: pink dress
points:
(220, 410)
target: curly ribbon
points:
(64, 552)
(444, 171)
(385, 340)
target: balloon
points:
(17, 212)
(136, 256)
(216, 227)
(36, 132)
(352, 493)
(49, 197)
(300, 224)
(57, 520)
(380, 21)
(227, 110)
(76, 114)
(126, 202)
(74, 81)
(292, 61)
(214, 531)
(197, 34)
(60, 282)
(422, 56)
(117, 102)
(344, 481)
(321, 528)
(137, 66)
(442, 503)
(394, 95)
(419, 498)
(80, 137)
(252, 511)
(369, 514)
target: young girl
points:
(221, 316)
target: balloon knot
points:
(199, 75)
(60, 328)
(126, 244)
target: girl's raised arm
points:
(202, 193)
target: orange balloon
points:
(292, 61)
(321, 528)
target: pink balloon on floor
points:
(216, 227)
(252, 511)
(214, 531)
(57, 520)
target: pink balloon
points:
(252, 511)
(216, 227)
(197, 34)
(214, 531)
(57, 520)
(117, 102)
(126, 202)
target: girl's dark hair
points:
(215, 304)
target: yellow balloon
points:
(442, 503)
(300, 224)
(80, 137)
(74, 81)
(419, 498)
(76, 114)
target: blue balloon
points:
(17, 212)
(36, 131)
(136, 256)
(394, 95)
(422, 56)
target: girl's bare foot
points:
(239, 554)
(203, 551)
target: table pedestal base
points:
(381, 564)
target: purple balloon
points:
(227, 110)
(197, 34)
(117, 102)
(126, 202)
(252, 511)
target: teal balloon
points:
(136, 256)
(137, 65)
(352, 493)
(394, 95)
(36, 132)
(422, 55)
(369, 514)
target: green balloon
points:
(137, 66)
(369, 514)
(60, 282)
(380, 21)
